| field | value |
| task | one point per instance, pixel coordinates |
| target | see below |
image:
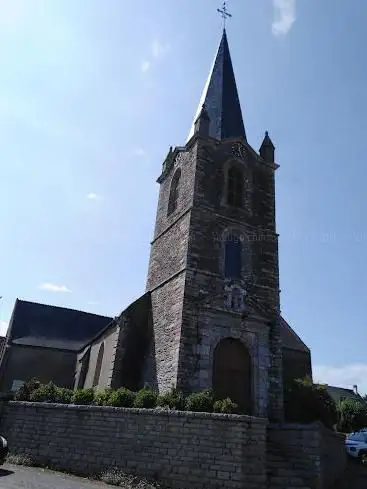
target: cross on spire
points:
(224, 13)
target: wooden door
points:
(232, 373)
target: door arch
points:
(232, 375)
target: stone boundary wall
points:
(179, 449)
(317, 453)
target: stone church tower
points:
(213, 272)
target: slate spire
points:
(220, 98)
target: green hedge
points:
(205, 401)
(306, 402)
(352, 415)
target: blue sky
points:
(92, 94)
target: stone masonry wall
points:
(318, 453)
(182, 450)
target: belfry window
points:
(233, 257)
(174, 192)
(235, 187)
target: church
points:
(210, 315)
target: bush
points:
(173, 399)
(306, 402)
(226, 406)
(102, 396)
(200, 402)
(122, 398)
(63, 396)
(83, 396)
(352, 415)
(23, 394)
(44, 393)
(145, 398)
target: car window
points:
(357, 437)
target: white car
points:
(3, 449)
(356, 445)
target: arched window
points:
(97, 372)
(174, 191)
(84, 365)
(235, 187)
(233, 257)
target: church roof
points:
(290, 339)
(46, 326)
(220, 98)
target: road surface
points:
(17, 477)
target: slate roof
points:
(139, 306)
(220, 98)
(337, 393)
(42, 325)
(290, 339)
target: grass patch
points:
(116, 477)
(20, 459)
(113, 477)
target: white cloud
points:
(93, 196)
(345, 376)
(145, 66)
(284, 16)
(3, 328)
(140, 152)
(93, 303)
(54, 287)
(12, 13)
(160, 49)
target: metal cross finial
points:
(224, 13)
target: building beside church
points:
(43, 342)
(210, 315)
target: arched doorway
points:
(232, 373)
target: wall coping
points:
(297, 426)
(317, 425)
(136, 411)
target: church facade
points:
(210, 317)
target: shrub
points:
(173, 399)
(63, 396)
(226, 406)
(145, 398)
(44, 393)
(23, 394)
(352, 415)
(83, 396)
(200, 402)
(306, 402)
(121, 398)
(102, 396)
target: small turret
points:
(202, 123)
(267, 149)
